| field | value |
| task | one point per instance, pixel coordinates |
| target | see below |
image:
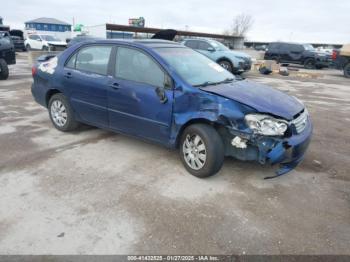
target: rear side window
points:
(93, 59)
(34, 37)
(296, 48)
(71, 61)
(192, 44)
(136, 66)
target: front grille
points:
(300, 122)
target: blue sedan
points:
(169, 94)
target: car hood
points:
(56, 43)
(262, 98)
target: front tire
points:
(28, 47)
(4, 70)
(201, 150)
(61, 113)
(227, 65)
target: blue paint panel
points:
(134, 108)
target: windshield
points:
(218, 46)
(49, 38)
(308, 47)
(195, 68)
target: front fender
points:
(205, 107)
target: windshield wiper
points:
(208, 83)
(227, 80)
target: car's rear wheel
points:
(4, 70)
(201, 150)
(347, 70)
(45, 48)
(61, 113)
(28, 47)
(227, 65)
(309, 63)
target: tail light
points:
(34, 70)
(334, 55)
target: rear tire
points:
(347, 70)
(61, 113)
(28, 47)
(309, 63)
(4, 70)
(201, 150)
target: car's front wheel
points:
(227, 65)
(4, 70)
(61, 113)
(201, 150)
(28, 47)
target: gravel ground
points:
(97, 192)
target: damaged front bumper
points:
(287, 152)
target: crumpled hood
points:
(56, 43)
(262, 98)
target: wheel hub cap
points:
(59, 113)
(194, 152)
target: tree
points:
(241, 24)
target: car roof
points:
(150, 43)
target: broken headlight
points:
(266, 125)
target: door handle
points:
(68, 75)
(115, 85)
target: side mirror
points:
(211, 49)
(161, 94)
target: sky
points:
(309, 21)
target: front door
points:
(140, 96)
(86, 80)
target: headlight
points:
(266, 125)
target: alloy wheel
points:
(194, 151)
(58, 113)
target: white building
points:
(49, 26)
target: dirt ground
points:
(97, 192)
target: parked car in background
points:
(260, 47)
(341, 59)
(233, 61)
(44, 42)
(81, 38)
(18, 39)
(7, 54)
(170, 94)
(293, 53)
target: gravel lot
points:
(97, 192)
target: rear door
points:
(296, 53)
(284, 52)
(140, 97)
(85, 77)
(193, 44)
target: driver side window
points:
(203, 46)
(136, 66)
